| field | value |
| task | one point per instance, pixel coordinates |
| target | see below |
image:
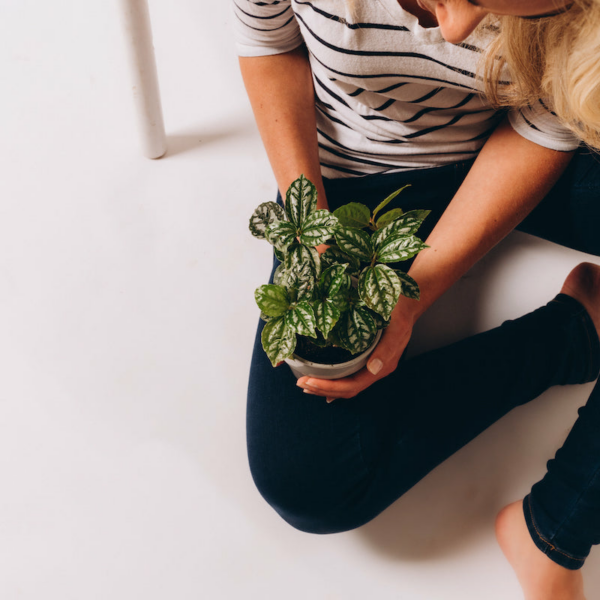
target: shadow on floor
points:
(210, 135)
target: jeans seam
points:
(543, 539)
(590, 483)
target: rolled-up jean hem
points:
(556, 554)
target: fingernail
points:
(375, 366)
(309, 392)
(330, 400)
(310, 383)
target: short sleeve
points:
(264, 28)
(540, 125)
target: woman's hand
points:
(382, 362)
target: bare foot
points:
(540, 577)
(583, 284)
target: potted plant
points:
(325, 312)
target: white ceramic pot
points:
(301, 367)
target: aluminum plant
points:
(313, 295)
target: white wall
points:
(125, 351)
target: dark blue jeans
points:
(327, 468)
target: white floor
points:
(125, 348)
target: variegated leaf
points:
(332, 280)
(399, 248)
(406, 225)
(365, 316)
(300, 281)
(380, 288)
(388, 217)
(278, 340)
(341, 301)
(301, 319)
(410, 288)
(353, 214)
(327, 315)
(354, 242)
(318, 228)
(263, 216)
(353, 332)
(279, 254)
(273, 300)
(388, 200)
(300, 201)
(299, 254)
(279, 275)
(281, 234)
(334, 256)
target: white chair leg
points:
(138, 41)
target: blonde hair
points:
(556, 59)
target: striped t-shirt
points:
(391, 95)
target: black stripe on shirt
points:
(343, 21)
(385, 54)
(422, 132)
(258, 29)
(451, 84)
(530, 123)
(257, 17)
(330, 92)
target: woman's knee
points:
(302, 495)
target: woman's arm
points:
(281, 92)
(509, 178)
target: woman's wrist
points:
(406, 312)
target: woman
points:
(399, 100)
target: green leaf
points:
(300, 281)
(379, 288)
(279, 254)
(406, 225)
(332, 279)
(410, 288)
(263, 216)
(353, 215)
(365, 315)
(301, 319)
(278, 340)
(388, 200)
(318, 228)
(399, 248)
(300, 201)
(341, 301)
(354, 332)
(279, 275)
(273, 300)
(354, 242)
(281, 234)
(334, 256)
(299, 254)
(327, 315)
(388, 217)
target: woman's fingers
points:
(347, 387)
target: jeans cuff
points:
(575, 308)
(560, 557)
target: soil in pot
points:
(330, 355)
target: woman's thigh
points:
(328, 468)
